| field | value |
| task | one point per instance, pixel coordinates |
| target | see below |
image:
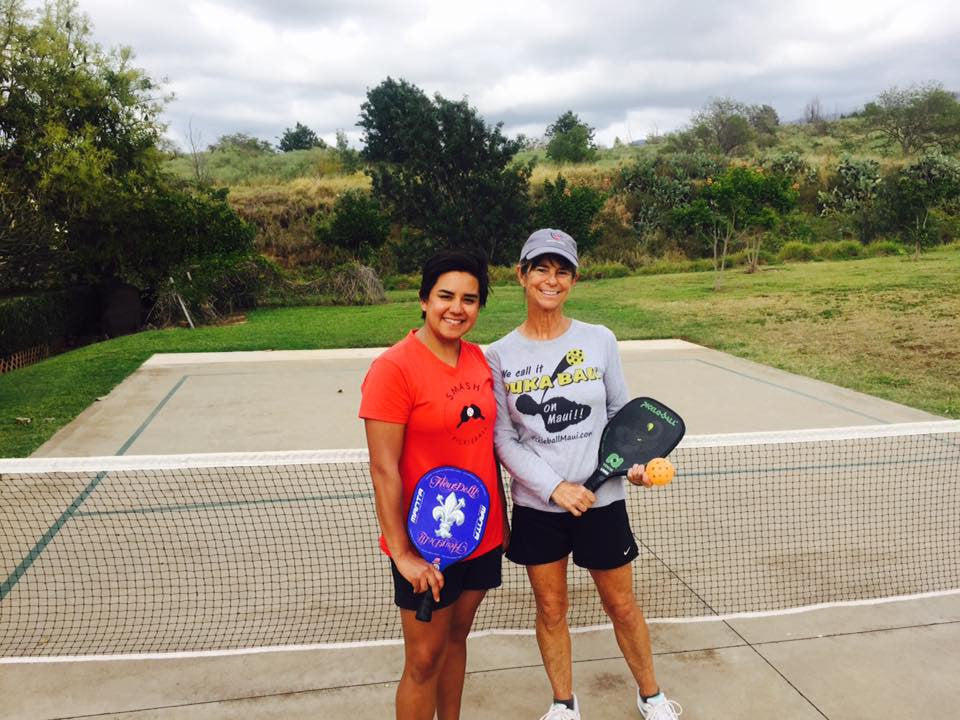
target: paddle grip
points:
(596, 480)
(425, 611)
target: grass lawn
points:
(885, 326)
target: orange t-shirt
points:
(449, 415)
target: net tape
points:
(212, 552)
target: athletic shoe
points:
(658, 708)
(559, 711)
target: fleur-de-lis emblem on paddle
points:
(447, 512)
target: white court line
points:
(482, 633)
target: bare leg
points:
(450, 685)
(549, 583)
(629, 625)
(424, 647)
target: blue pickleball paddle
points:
(447, 518)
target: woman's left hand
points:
(638, 476)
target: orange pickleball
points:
(660, 471)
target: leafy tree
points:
(854, 193)
(569, 139)
(723, 125)
(572, 209)
(916, 117)
(443, 172)
(79, 164)
(356, 224)
(745, 202)
(78, 131)
(727, 125)
(931, 182)
(300, 137)
(349, 158)
(242, 143)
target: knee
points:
(422, 664)
(552, 610)
(622, 610)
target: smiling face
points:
(547, 283)
(452, 306)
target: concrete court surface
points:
(889, 659)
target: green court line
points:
(226, 504)
(143, 426)
(14, 577)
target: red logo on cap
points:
(556, 236)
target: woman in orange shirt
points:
(428, 401)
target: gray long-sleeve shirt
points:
(554, 398)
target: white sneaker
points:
(559, 711)
(659, 708)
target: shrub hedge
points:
(46, 318)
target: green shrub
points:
(883, 248)
(46, 318)
(600, 270)
(839, 250)
(796, 251)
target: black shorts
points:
(480, 573)
(600, 539)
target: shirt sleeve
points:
(524, 464)
(614, 383)
(385, 393)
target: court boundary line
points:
(724, 618)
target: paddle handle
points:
(596, 480)
(425, 611)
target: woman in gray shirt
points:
(557, 381)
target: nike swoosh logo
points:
(627, 551)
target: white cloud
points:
(258, 67)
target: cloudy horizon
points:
(627, 69)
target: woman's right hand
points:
(573, 498)
(419, 573)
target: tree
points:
(440, 170)
(572, 209)
(915, 118)
(78, 131)
(356, 225)
(242, 143)
(723, 125)
(569, 139)
(300, 137)
(745, 203)
(727, 125)
(79, 134)
(932, 181)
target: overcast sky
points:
(627, 68)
